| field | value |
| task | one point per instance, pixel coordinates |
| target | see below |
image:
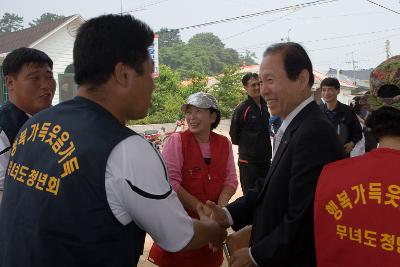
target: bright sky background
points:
(333, 33)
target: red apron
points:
(205, 182)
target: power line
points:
(256, 27)
(353, 44)
(273, 20)
(314, 3)
(352, 35)
(143, 7)
(394, 11)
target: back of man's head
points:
(295, 59)
(247, 77)
(331, 82)
(15, 60)
(104, 41)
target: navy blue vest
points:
(55, 210)
(11, 120)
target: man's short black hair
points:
(246, 78)
(331, 82)
(14, 61)
(384, 122)
(295, 59)
(104, 41)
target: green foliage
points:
(228, 91)
(168, 38)
(170, 94)
(45, 17)
(248, 58)
(203, 53)
(11, 22)
(206, 40)
(168, 83)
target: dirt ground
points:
(222, 129)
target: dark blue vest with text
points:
(55, 210)
(11, 120)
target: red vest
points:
(357, 211)
(205, 182)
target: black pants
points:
(250, 172)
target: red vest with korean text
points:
(204, 181)
(357, 211)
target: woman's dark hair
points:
(217, 120)
(384, 122)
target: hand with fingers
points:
(203, 211)
(219, 233)
(218, 214)
(241, 258)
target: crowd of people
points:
(79, 188)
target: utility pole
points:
(287, 39)
(353, 62)
(387, 48)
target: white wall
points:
(345, 95)
(59, 48)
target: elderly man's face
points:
(281, 94)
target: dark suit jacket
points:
(281, 209)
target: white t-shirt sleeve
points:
(138, 190)
(4, 157)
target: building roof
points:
(28, 36)
(358, 74)
(318, 76)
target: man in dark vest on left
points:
(81, 189)
(28, 75)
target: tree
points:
(170, 93)
(248, 58)
(206, 39)
(45, 17)
(228, 90)
(11, 22)
(168, 38)
(204, 53)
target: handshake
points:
(217, 221)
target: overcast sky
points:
(335, 34)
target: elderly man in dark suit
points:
(281, 209)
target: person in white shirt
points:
(91, 188)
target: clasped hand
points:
(240, 256)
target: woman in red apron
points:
(201, 167)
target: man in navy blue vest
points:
(83, 189)
(28, 74)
